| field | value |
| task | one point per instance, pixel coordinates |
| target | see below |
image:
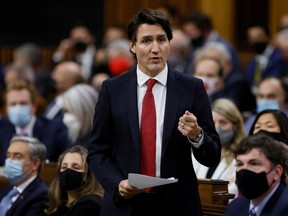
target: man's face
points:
(257, 162)
(19, 151)
(271, 90)
(207, 68)
(151, 48)
(192, 30)
(256, 34)
(19, 97)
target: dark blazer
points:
(52, 133)
(276, 206)
(89, 205)
(31, 202)
(273, 68)
(114, 149)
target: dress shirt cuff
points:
(197, 144)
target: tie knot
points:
(150, 84)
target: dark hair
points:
(271, 148)
(201, 20)
(282, 121)
(151, 17)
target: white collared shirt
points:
(258, 209)
(28, 129)
(159, 91)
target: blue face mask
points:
(19, 115)
(13, 171)
(264, 104)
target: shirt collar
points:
(22, 186)
(258, 209)
(161, 77)
(28, 129)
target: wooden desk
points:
(214, 196)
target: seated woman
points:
(272, 122)
(230, 127)
(74, 190)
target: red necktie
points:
(148, 132)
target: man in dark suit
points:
(25, 157)
(20, 105)
(260, 178)
(183, 121)
(267, 60)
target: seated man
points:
(20, 105)
(25, 157)
(260, 177)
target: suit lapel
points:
(172, 101)
(132, 108)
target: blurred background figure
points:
(230, 127)
(22, 120)
(66, 74)
(199, 27)
(272, 94)
(234, 85)
(283, 23)
(171, 12)
(74, 190)
(272, 122)
(75, 107)
(22, 72)
(179, 50)
(79, 47)
(267, 60)
(29, 55)
(282, 45)
(24, 160)
(118, 59)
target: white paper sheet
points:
(143, 181)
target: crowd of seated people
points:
(55, 106)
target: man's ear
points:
(36, 164)
(132, 47)
(279, 172)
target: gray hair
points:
(222, 49)
(31, 51)
(37, 150)
(282, 35)
(80, 100)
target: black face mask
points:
(70, 179)
(277, 136)
(251, 184)
(259, 47)
(80, 46)
(197, 42)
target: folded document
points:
(143, 181)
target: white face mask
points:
(210, 84)
(73, 125)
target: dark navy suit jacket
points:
(276, 206)
(52, 133)
(88, 205)
(31, 202)
(273, 68)
(114, 149)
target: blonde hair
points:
(229, 110)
